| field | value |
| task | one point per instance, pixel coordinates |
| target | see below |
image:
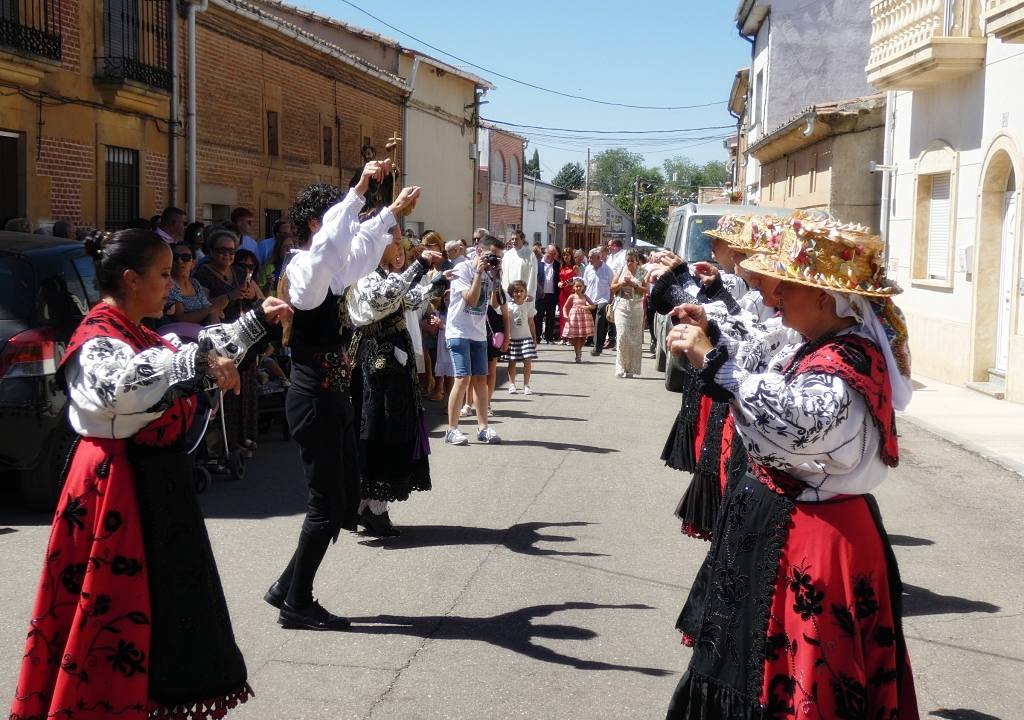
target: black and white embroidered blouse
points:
(114, 391)
(378, 295)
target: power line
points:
(611, 132)
(523, 82)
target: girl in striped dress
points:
(522, 346)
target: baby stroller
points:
(213, 453)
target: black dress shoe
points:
(378, 525)
(275, 595)
(311, 617)
(595, 352)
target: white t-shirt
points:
(519, 318)
(466, 321)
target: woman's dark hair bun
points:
(113, 253)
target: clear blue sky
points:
(655, 52)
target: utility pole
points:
(586, 202)
(636, 204)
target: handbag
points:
(609, 312)
(497, 340)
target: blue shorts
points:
(469, 357)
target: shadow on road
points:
(909, 541)
(919, 601)
(532, 416)
(515, 631)
(962, 714)
(561, 446)
(520, 538)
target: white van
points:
(685, 237)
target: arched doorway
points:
(995, 265)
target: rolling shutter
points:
(938, 229)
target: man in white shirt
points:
(521, 264)
(472, 288)
(172, 225)
(616, 260)
(598, 279)
(336, 250)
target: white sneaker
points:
(488, 436)
(466, 411)
(527, 390)
(512, 390)
(455, 437)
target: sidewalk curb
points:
(1004, 462)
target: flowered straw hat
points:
(730, 228)
(828, 254)
(762, 234)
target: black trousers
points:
(322, 423)
(600, 326)
(547, 323)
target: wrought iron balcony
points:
(1005, 20)
(917, 43)
(136, 42)
(32, 26)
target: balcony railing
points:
(32, 26)
(916, 43)
(1005, 19)
(135, 40)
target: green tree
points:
(714, 173)
(615, 169)
(572, 176)
(532, 167)
(652, 211)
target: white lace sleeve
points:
(233, 340)
(814, 422)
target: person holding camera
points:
(472, 291)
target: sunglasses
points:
(224, 251)
(247, 266)
(183, 257)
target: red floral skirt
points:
(832, 647)
(88, 640)
(89, 652)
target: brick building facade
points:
(499, 196)
(84, 133)
(279, 108)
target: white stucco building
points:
(956, 129)
(544, 211)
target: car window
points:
(698, 245)
(87, 274)
(74, 285)
(17, 291)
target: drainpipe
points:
(194, 7)
(888, 177)
(172, 119)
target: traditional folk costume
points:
(130, 619)
(318, 406)
(392, 436)
(795, 612)
(693, 443)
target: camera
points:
(491, 260)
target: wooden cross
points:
(392, 147)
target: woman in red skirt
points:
(130, 620)
(795, 612)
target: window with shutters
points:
(938, 228)
(934, 227)
(122, 186)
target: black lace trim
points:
(698, 508)
(184, 365)
(251, 326)
(698, 697)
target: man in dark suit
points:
(547, 294)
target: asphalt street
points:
(541, 578)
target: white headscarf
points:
(860, 308)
